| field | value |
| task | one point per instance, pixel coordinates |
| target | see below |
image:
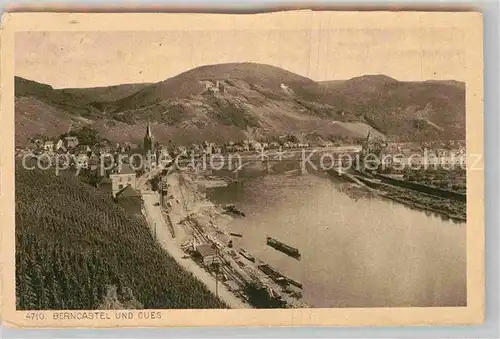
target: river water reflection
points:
(356, 252)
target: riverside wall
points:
(422, 188)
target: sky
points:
(89, 59)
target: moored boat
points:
(282, 247)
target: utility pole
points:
(160, 189)
(217, 281)
(215, 265)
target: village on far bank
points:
(83, 150)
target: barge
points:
(293, 282)
(277, 276)
(282, 247)
(231, 208)
(272, 273)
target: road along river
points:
(159, 227)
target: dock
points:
(244, 253)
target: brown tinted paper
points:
(410, 46)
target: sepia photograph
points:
(288, 161)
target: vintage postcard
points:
(301, 168)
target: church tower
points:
(149, 151)
(367, 144)
(148, 140)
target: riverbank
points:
(154, 215)
(444, 207)
(196, 222)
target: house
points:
(102, 147)
(130, 199)
(81, 149)
(181, 149)
(38, 142)
(406, 152)
(441, 152)
(416, 160)
(386, 157)
(93, 162)
(130, 146)
(48, 146)
(122, 176)
(82, 161)
(71, 141)
(163, 157)
(256, 145)
(209, 149)
(60, 146)
(207, 254)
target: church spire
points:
(148, 132)
(148, 139)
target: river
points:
(357, 250)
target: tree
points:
(86, 135)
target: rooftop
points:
(127, 192)
(205, 250)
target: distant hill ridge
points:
(106, 93)
(264, 98)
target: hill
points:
(191, 83)
(48, 95)
(223, 102)
(105, 94)
(226, 101)
(427, 110)
(77, 249)
(39, 108)
(34, 116)
(75, 100)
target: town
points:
(87, 153)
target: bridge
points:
(235, 162)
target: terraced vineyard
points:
(77, 249)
